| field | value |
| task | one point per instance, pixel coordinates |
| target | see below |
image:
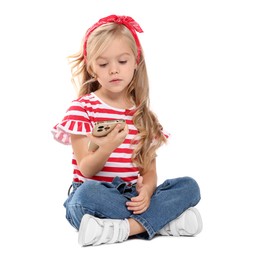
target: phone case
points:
(102, 128)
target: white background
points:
(200, 60)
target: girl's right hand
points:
(112, 140)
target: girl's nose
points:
(114, 70)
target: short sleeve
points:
(75, 121)
(165, 133)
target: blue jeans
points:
(108, 200)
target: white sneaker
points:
(189, 223)
(95, 231)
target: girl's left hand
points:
(140, 203)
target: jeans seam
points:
(145, 224)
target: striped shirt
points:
(80, 118)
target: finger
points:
(123, 131)
(120, 127)
(140, 209)
(138, 198)
(126, 128)
(136, 209)
(115, 131)
(135, 205)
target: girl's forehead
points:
(116, 47)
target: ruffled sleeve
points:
(165, 133)
(75, 121)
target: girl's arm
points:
(150, 178)
(91, 163)
(145, 187)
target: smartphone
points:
(102, 128)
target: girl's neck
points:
(117, 100)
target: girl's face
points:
(115, 67)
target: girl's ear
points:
(91, 73)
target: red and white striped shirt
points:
(80, 118)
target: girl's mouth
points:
(115, 80)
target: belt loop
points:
(69, 190)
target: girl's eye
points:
(103, 65)
(123, 61)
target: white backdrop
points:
(200, 60)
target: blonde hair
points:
(150, 136)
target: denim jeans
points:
(108, 200)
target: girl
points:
(115, 194)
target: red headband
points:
(131, 24)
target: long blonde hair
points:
(150, 136)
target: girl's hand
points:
(112, 140)
(140, 203)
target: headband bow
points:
(130, 23)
